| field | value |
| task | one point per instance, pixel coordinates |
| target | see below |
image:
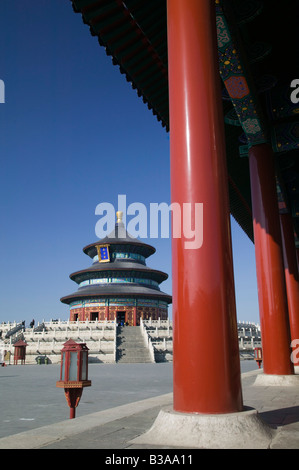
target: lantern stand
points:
(20, 352)
(73, 373)
(258, 356)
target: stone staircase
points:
(130, 345)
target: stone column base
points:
(266, 380)
(242, 430)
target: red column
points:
(206, 354)
(134, 316)
(269, 263)
(291, 274)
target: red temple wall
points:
(110, 313)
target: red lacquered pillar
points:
(206, 362)
(291, 275)
(269, 263)
(134, 316)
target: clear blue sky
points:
(73, 134)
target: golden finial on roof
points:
(119, 215)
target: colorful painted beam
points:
(235, 79)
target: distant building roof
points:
(120, 236)
(119, 269)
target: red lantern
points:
(20, 352)
(258, 356)
(73, 373)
